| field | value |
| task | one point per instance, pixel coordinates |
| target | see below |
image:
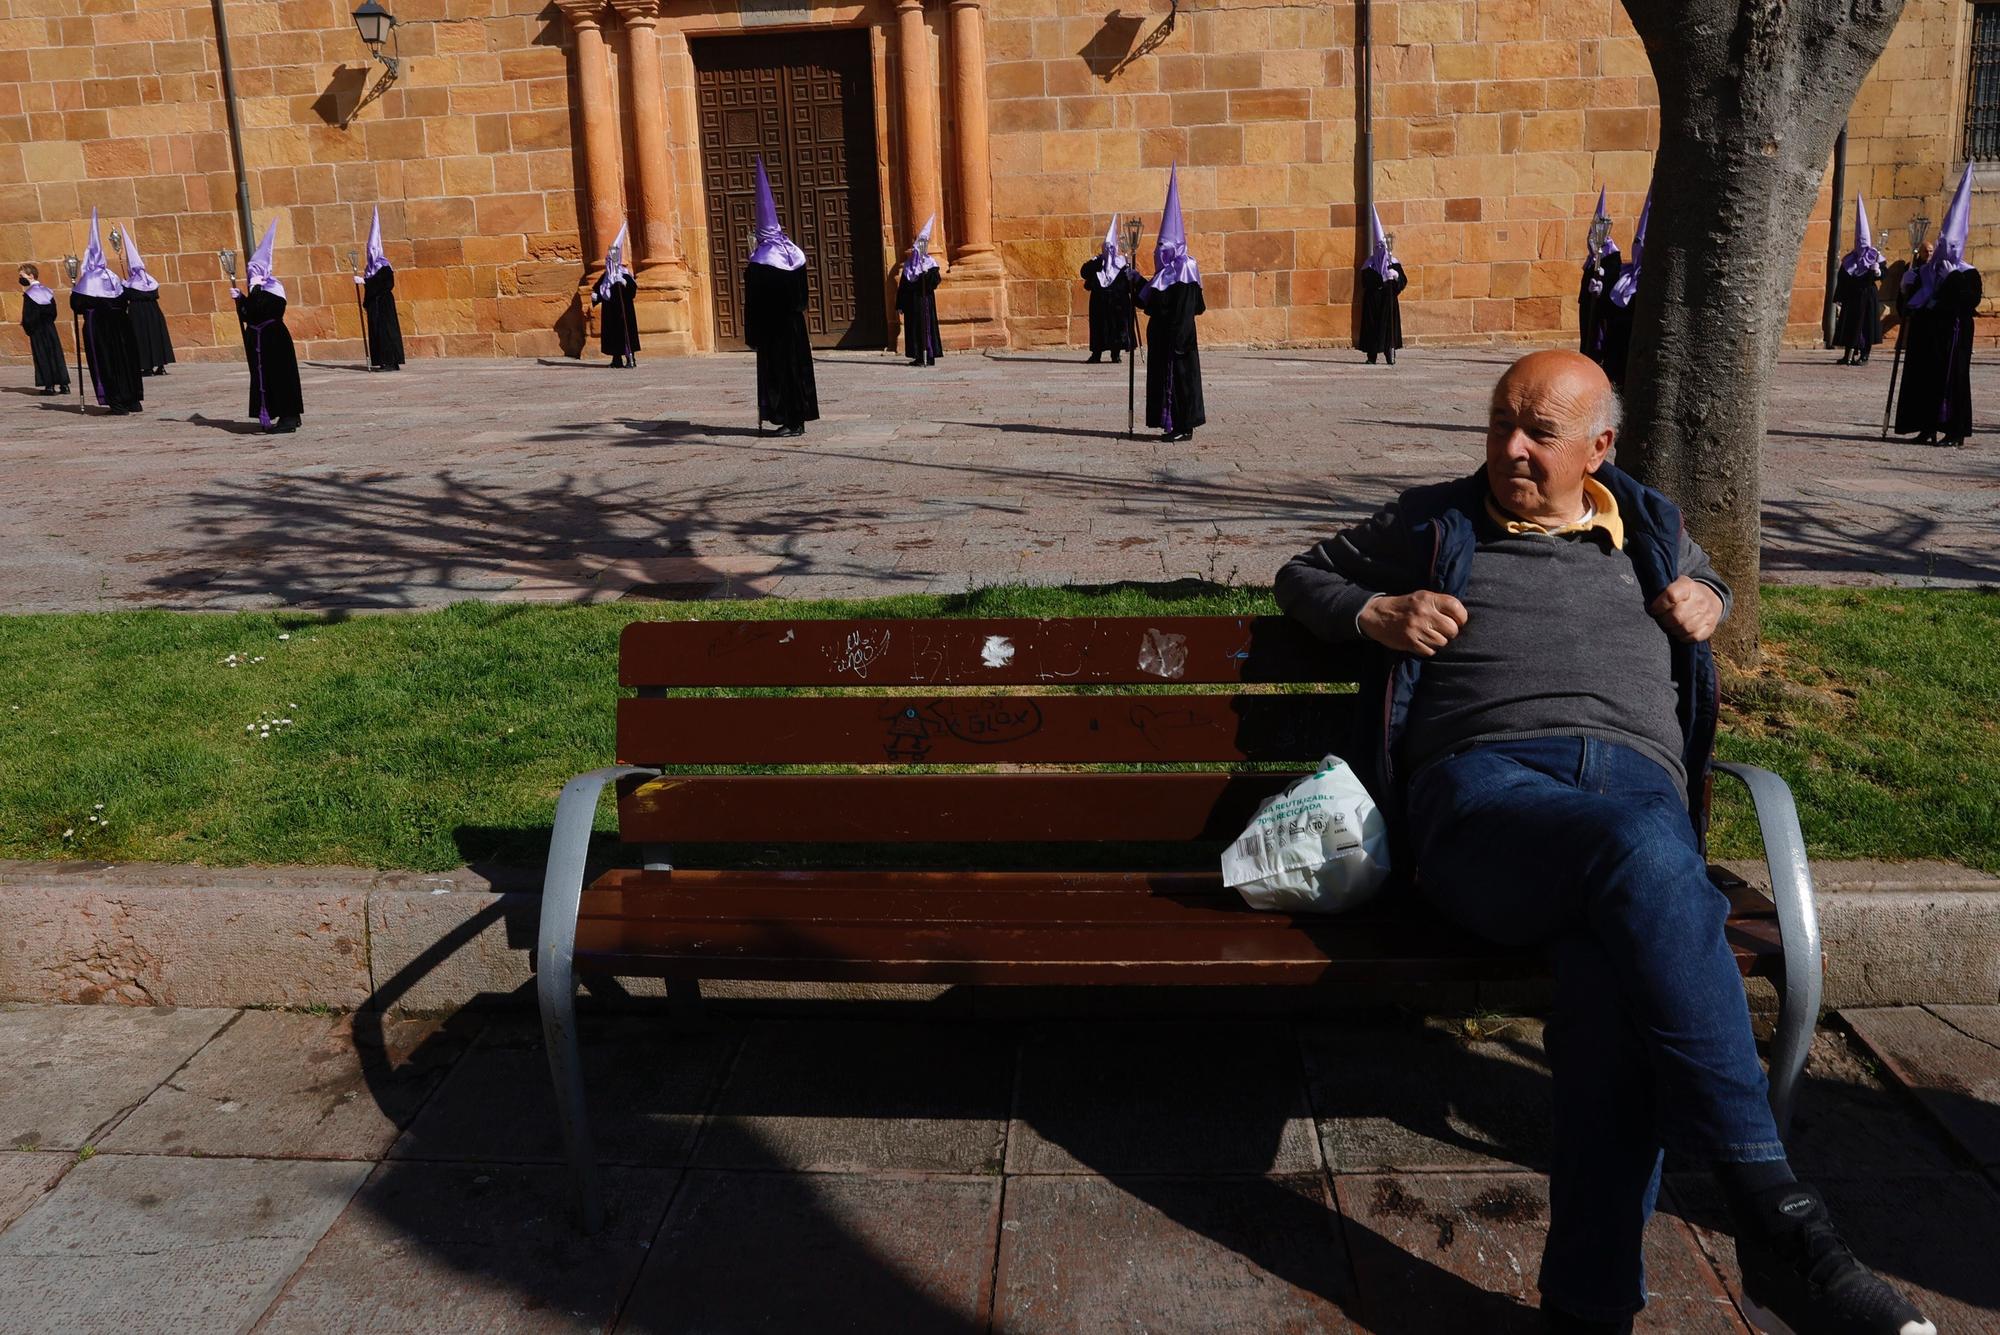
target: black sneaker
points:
(1799, 1278)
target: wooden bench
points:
(961, 731)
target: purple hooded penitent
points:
(919, 262)
(95, 278)
(258, 272)
(1114, 261)
(1627, 285)
(614, 264)
(1864, 256)
(378, 260)
(1949, 256)
(773, 247)
(1610, 247)
(136, 276)
(1171, 261)
(1379, 258)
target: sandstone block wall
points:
(1495, 122)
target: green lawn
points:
(426, 741)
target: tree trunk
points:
(1752, 94)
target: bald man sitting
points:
(1548, 710)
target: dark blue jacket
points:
(1439, 536)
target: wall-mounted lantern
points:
(375, 24)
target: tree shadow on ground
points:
(385, 540)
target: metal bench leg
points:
(555, 976)
(1798, 929)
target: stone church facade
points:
(520, 135)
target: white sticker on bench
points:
(1163, 654)
(997, 652)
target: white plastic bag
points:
(1321, 846)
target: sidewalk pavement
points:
(568, 481)
(215, 1170)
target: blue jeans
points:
(1585, 847)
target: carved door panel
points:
(806, 103)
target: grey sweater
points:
(1557, 640)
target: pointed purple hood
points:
(1114, 259)
(136, 276)
(1864, 256)
(378, 259)
(1171, 261)
(1949, 255)
(772, 246)
(1379, 257)
(614, 264)
(95, 278)
(258, 272)
(919, 262)
(1609, 247)
(1627, 286)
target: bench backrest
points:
(902, 698)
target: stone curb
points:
(1896, 934)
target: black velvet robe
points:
(149, 329)
(109, 350)
(1111, 318)
(1173, 357)
(1382, 310)
(1936, 394)
(1617, 337)
(1859, 327)
(274, 362)
(774, 324)
(916, 307)
(1593, 309)
(38, 320)
(620, 336)
(385, 330)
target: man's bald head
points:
(1553, 418)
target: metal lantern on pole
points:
(360, 303)
(228, 258)
(1920, 227)
(72, 267)
(1600, 232)
(118, 247)
(1133, 228)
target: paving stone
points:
(484, 1249)
(137, 1245)
(783, 1252)
(1981, 1022)
(646, 1084)
(518, 468)
(1953, 1074)
(860, 1097)
(67, 1070)
(295, 1086)
(25, 1177)
(1849, 1122)
(1255, 1256)
(1931, 1235)
(1162, 1098)
(1421, 1094)
(1461, 1251)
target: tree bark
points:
(1752, 94)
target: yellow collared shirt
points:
(1603, 515)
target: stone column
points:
(973, 171)
(917, 88)
(664, 283)
(600, 130)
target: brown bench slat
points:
(943, 808)
(1276, 955)
(959, 651)
(1027, 919)
(979, 730)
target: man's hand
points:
(1688, 610)
(1418, 623)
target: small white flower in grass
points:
(284, 637)
(70, 833)
(98, 807)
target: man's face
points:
(1539, 438)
